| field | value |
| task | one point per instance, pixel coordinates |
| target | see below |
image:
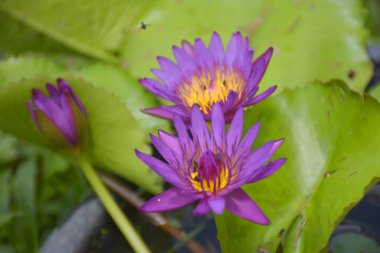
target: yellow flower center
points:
(205, 89)
(210, 185)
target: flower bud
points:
(61, 116)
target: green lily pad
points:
(94, 27)
(113, 130)
(331, 141)
(321, 39)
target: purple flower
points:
(206, 76)
(60, 116)
(211, 167)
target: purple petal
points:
(216, 49)
(260, 97)
(64, 87)
(199, 129)
(218, 125)
(39, 99)
(256, 159)
(167, 201)
(232, 100)
(164, 150)
(155, 87)
(32, 111)
(53, 91)
(233, 49)
(268, 170)
(66, 109)
(217, 204)
(185, 61)
(235, 131)
(169, 79)
(166, 111)
(239, 203)
(249, 137)
(62, 121)
(203, 58)
(201, 208)
(188, 48)
(183, 136)
(167, 64)
(161, 168)
(259, 67)
(171, 141)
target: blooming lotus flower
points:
(206, 76)
(211, 167)
(61, 116)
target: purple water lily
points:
(211, 167)
(61, 115)
(206, 76)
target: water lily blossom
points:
(60, 116)
(211, 166)
(204, 76)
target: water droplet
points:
(158, 200)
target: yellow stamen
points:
(204, 90)
(209, 185)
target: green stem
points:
(113, 209)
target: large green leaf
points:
(94, 27)
(127, 89)
(114, 132)
(24, 235)
(331, 141)
(319, 39)
(16, 38)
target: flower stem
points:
(112, 208)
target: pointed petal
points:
(199, 128)
(171, 141)
(167, 65)
(233, 49)
(203, 58)
(218, 125)
(39, 100)
(235, 131)
(166, 111)
(155, 87)
(183, 136)
(268, 170)
(53, 91)
(167, 201)
(164, 150)
(232, 100)
(201, 208)
(239, 203)
(217, 204)
(216, 48)
(64, 87)
(259, 67)
(169, 79)
(32, 111)
(161, 168)
(256, 159)
(185, 61)
(249, 137)
(260, 97)
(188, 48)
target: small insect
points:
(195, 166)
(224, 83)
(143, 26)
(351, 74)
